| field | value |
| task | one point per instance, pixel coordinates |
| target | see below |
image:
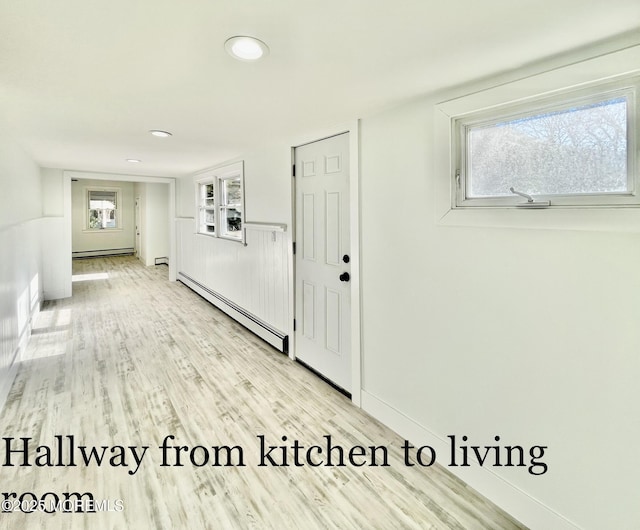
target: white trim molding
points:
(510, 498)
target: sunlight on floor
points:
(50, 344)
(49, 319)
(50, 334)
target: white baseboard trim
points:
(510, 498)
(263, 330)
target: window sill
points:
(223, 238)
(229, 238)
(102, 230)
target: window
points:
(207, 208)
(220, 197)
(231, 207)
(576, 149)
(102, 209)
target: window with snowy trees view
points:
(575, 150)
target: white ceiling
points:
(82, 81)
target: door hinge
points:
(294, 248)
(293, 170)
(458, 178)
(294, 324)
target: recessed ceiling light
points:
(246, 48)
(161, 134)
(134, 160)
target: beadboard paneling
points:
(20, 294)
(254, 276)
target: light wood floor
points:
(132, 358)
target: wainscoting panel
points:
(254, 276)
(20, 295)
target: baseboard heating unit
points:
(103, 253)
(268, 333)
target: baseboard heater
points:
(103, 252)
(268, 333)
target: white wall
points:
(56, 234)
(154, 220)
(267, 185)
(528, 334)
(256, 276)
(20, 258)
(84, 240)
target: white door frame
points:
(354, 229)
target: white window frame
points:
(573, 71)
(224, 206)
(599, 91)
(117, 215)
(217, 178)
(205, 208)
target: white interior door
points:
(323, 297)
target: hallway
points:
(132, 358)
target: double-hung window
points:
(220, 199)
(102, 209)
(576, 148)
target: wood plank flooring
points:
(132, 358)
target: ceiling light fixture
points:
(246, 48)
(161, 134)
(134, 160)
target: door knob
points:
(346, 258)
(344, 277)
